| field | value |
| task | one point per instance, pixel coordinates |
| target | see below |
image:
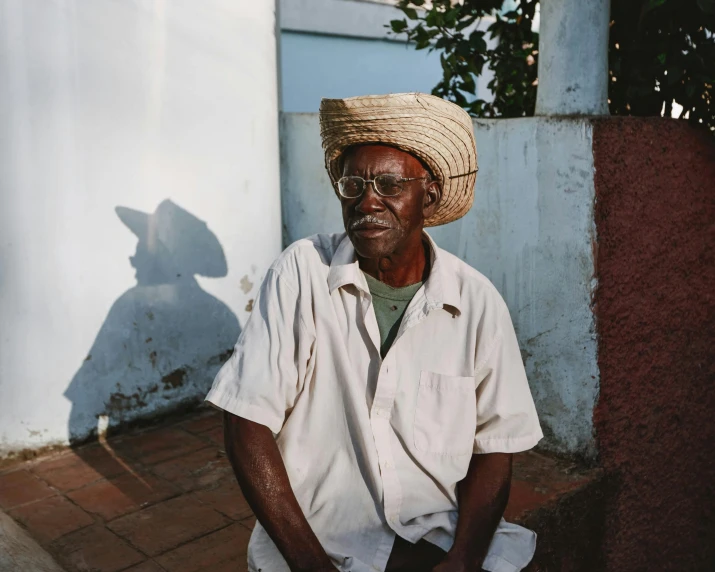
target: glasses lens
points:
(388, 185)
(351, 187)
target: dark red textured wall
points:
(655, 418)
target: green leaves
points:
(663, 52)
(664, 43)
(468, 84)
(441, 25)
(476, 41)
(411, 13)
(652, 5)
(398, 26)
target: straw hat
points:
(438, 132)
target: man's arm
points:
(482, 497)
(262, 476)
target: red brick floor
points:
(164, 499)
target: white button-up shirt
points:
(375, 447)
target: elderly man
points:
(377, 393)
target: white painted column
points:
(109, 109)
(573, 58)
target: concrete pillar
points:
(573, 58)
(139, 204)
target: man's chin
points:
(373, 244)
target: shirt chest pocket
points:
(445, 415)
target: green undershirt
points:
(390, 305)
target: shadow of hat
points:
(174, 232)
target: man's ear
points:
(433, 196)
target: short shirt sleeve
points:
(264, 376)
(506, 416)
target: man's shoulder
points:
(312, 253)
(474, 287)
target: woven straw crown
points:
(436, 131)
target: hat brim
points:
(136, 221)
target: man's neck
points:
(407, 265)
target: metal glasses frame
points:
(374, 186)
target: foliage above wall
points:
(452, 29)
(661, 53)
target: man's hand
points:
(260, 471)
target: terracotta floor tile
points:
(522, 498)
(539, 479)
(200, 469)
(239, 566)
(80, 467)
(226, 497)
(158, 445)
(51, 518)
(164, 526)
(249, 522)
(112, 498)
(201, 423)
(150, 566)
(226, 547)
(94, 548)
(215, 435)
(21, 487)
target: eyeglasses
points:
(386, 185)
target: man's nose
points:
(370, 201)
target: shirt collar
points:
(440, 288)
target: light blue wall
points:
(314, 66)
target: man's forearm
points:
(260, 471)
(482, 496)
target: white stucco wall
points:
(110, 104)
(530, 231)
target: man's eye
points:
(389, 184)
(350, 187)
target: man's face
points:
(378, 226)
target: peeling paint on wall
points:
(175, 379)
(246, 284)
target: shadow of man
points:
(160, 345)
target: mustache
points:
(368, 219)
